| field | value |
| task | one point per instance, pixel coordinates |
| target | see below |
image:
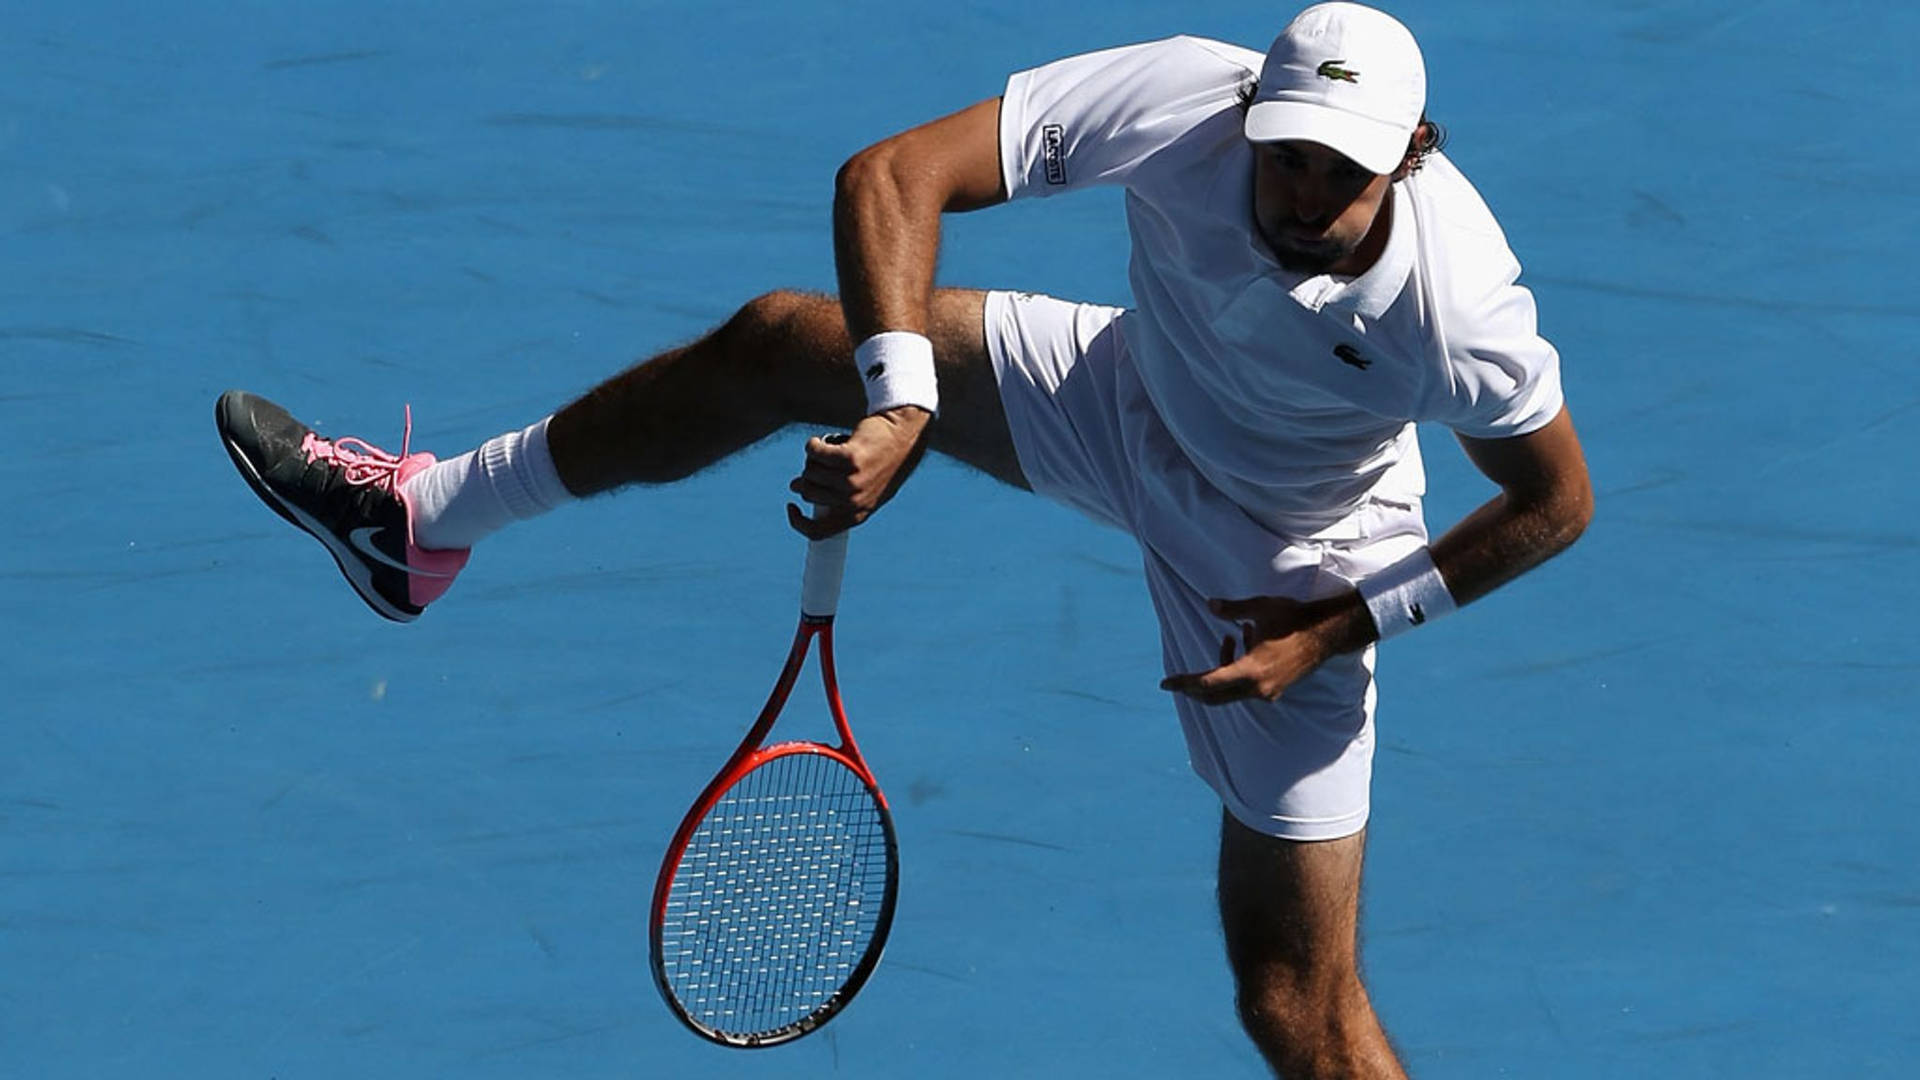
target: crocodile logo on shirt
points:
(1332, 70)
(1351, 357)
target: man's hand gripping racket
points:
(849, 477)
(777, 892)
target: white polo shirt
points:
(1293, 395)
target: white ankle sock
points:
(508, 479)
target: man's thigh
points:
(1289, 906)
(973, 423)
(808, 331)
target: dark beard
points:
(1311, 259)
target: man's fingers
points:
(827, 524)
(810, 488)
(830, 452)
(1179, 684)
(1216, 687)
(1198, 689)
(1259, 618)
(815, 498)
(828, 475)
(847, 477)
(1240, 680)
(801, 523)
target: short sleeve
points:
(1501, 378)
(1092, 119)
(1504, 378)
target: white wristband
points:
(897, 369)
(1406, 594)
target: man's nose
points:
(1310, 203)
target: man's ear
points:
(1417, 149)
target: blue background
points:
(1648, 813)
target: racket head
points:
(776, 897)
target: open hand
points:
(1280, 641)
(848, 477)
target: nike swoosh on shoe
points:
(363, 539)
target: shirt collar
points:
(1372, 293)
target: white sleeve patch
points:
(1091, 119)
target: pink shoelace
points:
(361, 462)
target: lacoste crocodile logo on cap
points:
(1331, 69)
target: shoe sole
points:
(351, 567)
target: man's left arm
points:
(1545, 503)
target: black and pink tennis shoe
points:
(348, 494)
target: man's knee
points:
(1289, 910)
(791, 351)
(1321, 1026)
(786, 325)
(792, 348)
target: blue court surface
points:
(1649, 812)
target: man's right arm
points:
(887, 204)
(1079, 122)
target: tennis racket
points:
(776, 894)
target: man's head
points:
(1347, 77)
(1337, 116)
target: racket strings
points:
(778, 897)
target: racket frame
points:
(819, 599)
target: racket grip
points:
(820, 586)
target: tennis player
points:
(1311, 277)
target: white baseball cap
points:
(1347, 77)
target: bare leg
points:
(783, 358)
(1290, 911)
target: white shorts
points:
(1087, 436)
